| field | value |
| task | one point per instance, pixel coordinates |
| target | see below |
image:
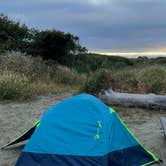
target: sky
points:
(102, 25)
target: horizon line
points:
(133, 54)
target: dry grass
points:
(13, 85)
(146, 79)
(24, 77)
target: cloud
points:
(98, 2)
(101, 24)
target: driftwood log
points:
(151, 101)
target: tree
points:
(49, 44)
(13, 35)
(55, 45)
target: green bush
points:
(87, 63)
(98, 81)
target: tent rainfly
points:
(82, 131)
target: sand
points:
(15, 117)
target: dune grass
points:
(142, 79)
(24, 77)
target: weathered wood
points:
(163, 124)
(133, 100)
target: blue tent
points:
(82, 131)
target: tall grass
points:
(147, 79)
(24, 76)
(153, 79)
(13, 85)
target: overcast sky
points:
(102, 25)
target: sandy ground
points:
(15, 117)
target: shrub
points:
(126, 80)
(153, 79)
(65, 75)
(141, 79)
(98, 81)
(86, 63)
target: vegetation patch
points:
(23, 77)
(98, 81)
(13, 85)
(147, 79)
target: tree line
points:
(49, 44)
